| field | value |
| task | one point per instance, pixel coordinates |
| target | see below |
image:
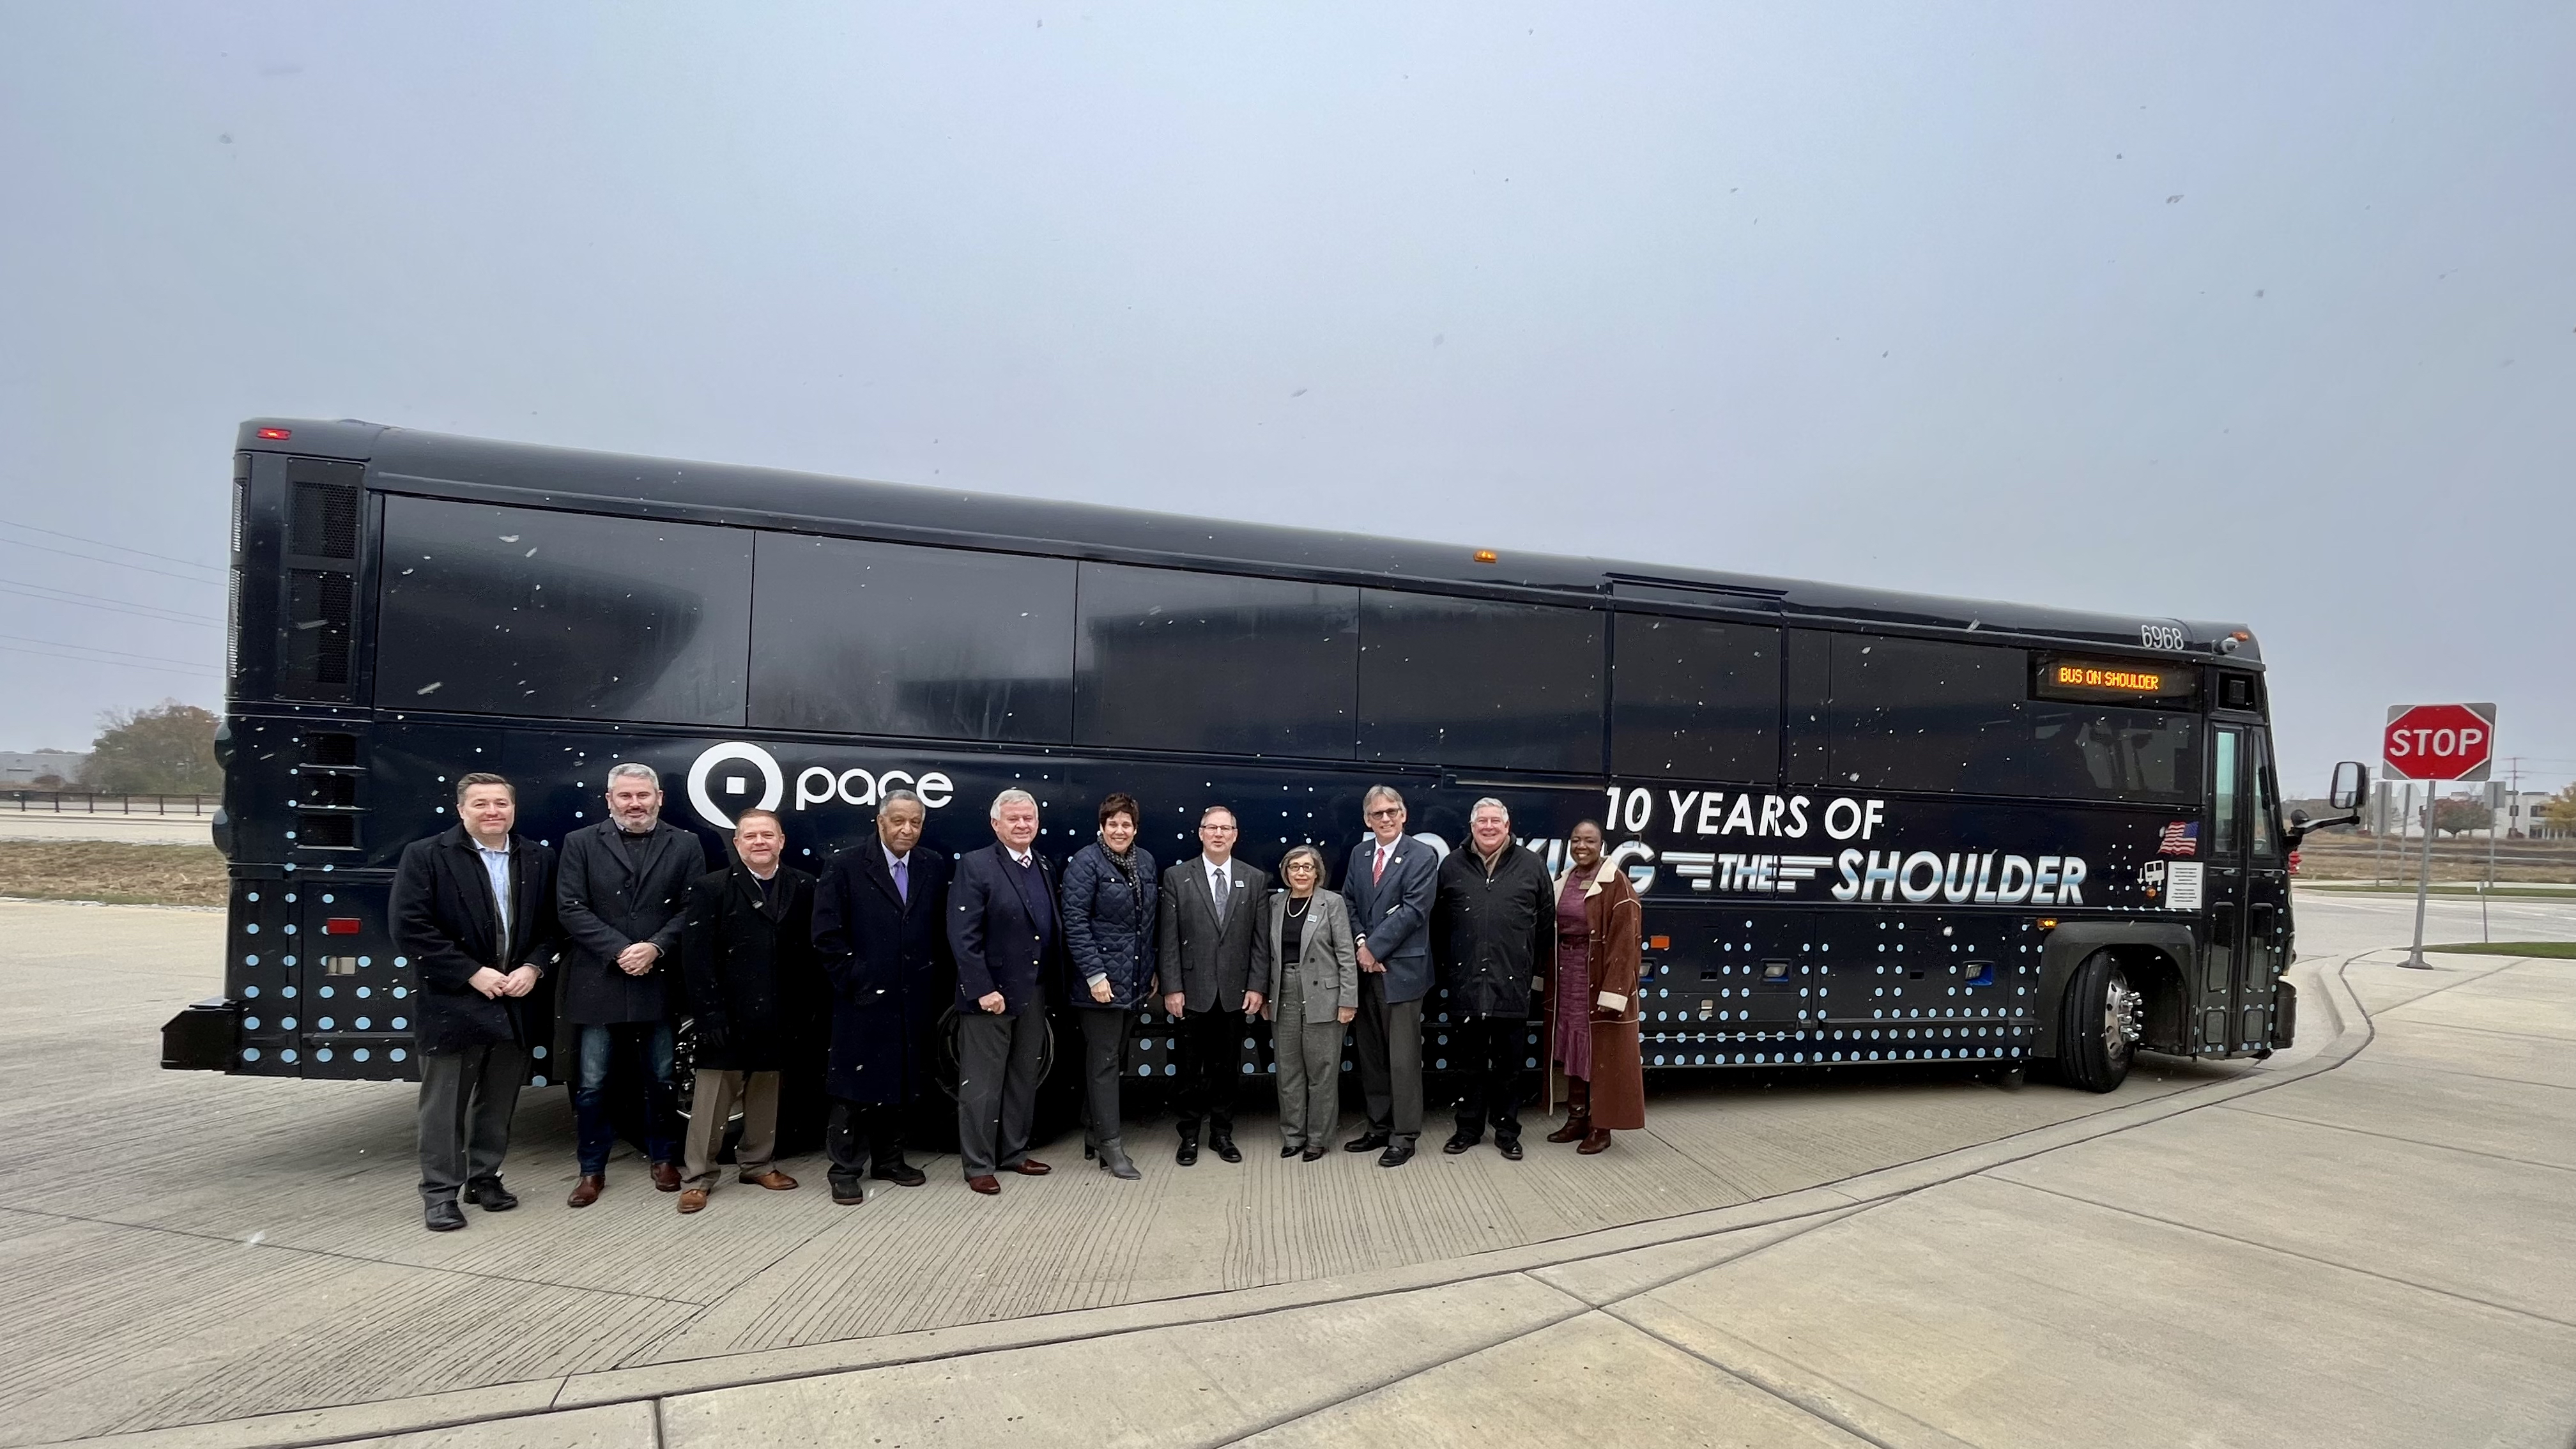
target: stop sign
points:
(2438, 741)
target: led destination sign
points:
(2091, 680)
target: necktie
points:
(1378, 872)
(903, 879)
(1216, 887)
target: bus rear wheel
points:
(2098, 1026)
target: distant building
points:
(25, 768)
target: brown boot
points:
(586, 1191)
(1578, 1113)
(1595, 1141)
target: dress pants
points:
(1389, 1048)
(998, 1060)
(1211, 1070)
(1104, 1059)
(1492, 1052)
(712, 1104)
(860, 1136)
(594, 1125)
(1309, 1055)
(466, 1098)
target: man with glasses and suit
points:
(473, 909)
(1389, 887)
(621, 893)
(1206, 931)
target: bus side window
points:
(1694, 700)
(1451, 681)
(2225, 790)
(1176, 660)
(2266, 800)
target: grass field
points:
(119, 874)
(2557, 950)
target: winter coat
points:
(887, 956)
(1109, 925)
(748, 964)
(1494, 934)
(1614, 919)
(443, 925)
(606, 904)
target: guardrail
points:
(87, 802)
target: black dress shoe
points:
(443, 1216)
(491, 1195)
(1510, 1147)
(1290, 1150)
(1313, 1154)
(1396, 1154)
(848, 1194)
(1188, 1155)
(901, 1174)
(1366, 1142)
(1458, 1143)
(1224, 1147)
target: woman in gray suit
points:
(1306, 954)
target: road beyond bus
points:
(2360, 1241)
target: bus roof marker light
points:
(276, 435)
(1486, 556)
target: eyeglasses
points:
(1384, 811)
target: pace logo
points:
(720, 783)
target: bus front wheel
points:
(2098, 1025)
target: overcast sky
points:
(2261, 312)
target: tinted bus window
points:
(851, 636)
(1695, 700)
(1469, 682)
(524, 611)
(1908, 714)
(1166, 659)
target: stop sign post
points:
(2434, 742)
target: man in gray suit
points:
(620, 895)
(1389, 886)
(1205, 930)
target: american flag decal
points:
(2182, 837)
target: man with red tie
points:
(1389, 888)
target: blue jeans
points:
(595, 1132)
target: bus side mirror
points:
(2351, 783)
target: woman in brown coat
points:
(1592, 1009)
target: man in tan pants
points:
(746, 946)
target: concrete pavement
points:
(2366, 1240)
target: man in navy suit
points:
(1389, 888)
(880, 927)
(1006, 932)
(473, 908)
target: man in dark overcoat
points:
(474, 911)
(1493, 929)
(880, 927)
(619, 893)
(747, 956)
(1206, 926)
(1006, 931)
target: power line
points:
(115, 663)
(118, 547)
(117, 563)
(97, 649)
(52, 595)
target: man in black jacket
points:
(467, 904)
(746, 951)
(880, 927)
(1005, 929)
(1493, 929)
(619, 894)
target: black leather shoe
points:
(1224, 1147)
(1458, 1143)
(443, 1216)
(848, 1194)
(901, 1174)
(1313, 1154)
(1366, 1142)
(1290, 1150)
(1188, 1155)
(1396, 1154)
(491, 1195)
(1510, 1147)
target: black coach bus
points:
(1868, 827)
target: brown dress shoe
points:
(666, 1177)
(693, 1200)
(1596, 1140)
(1574, 1130)
(585, 1192)
(773, 1179)
(987, 1184)
(1030, 1167)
